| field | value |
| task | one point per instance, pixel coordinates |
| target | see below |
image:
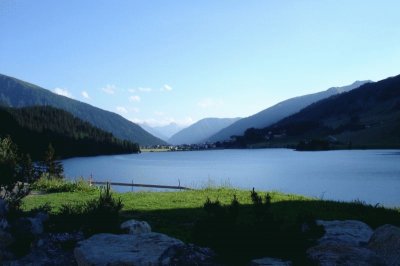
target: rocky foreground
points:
(346, 242)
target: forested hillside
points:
(18, 93)
(367, 117)
(279, 111)
(34, 128)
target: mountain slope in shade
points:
(34, 128)
(367, 117)
(200, 131)
(279, 111)
(163, 132)
(17, 93)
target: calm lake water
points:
(372, 176)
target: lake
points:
(372, 176)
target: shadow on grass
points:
(281, 235)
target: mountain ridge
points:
(279, 111)
(200, 131)
(366, 117)
(18, 93)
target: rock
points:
(270, 262)
(110, 249)
(3, 224)
(385, 241)
(344, 243)
(348, 232)
(36, 226)
(42, 216)
(51, 249)
(3, 208)
(336, 254)
(135, 227)
(30, 226)
(182, 255)
(6, 239)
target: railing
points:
(137, 185)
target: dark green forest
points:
(367, 117)
(34, 128)
(16, 93)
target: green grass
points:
(179, 213)
(175, 213)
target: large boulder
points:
(270, 262)
(385, 241)
(108, 249)
(135, 227)
(350, 232)
(344, 243)
(183, 255)
(335, 254)
(148, 249)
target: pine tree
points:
(52, 166)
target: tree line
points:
(34, 128)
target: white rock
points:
(144, 249)
(350, 232)
(135, 227)
(385, 241)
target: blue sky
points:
(180, 61)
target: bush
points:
(95, 216)
(254, 230)
(11, 189)
(52, 184)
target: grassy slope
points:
(175, 213)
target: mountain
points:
(367, 117)
(279, 111)
(199, 132)
(18, 93)
(163, 132)
(34, 128)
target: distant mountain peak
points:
(200, 131)
(279, 111)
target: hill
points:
(367, 117)
(34, 128)
(200, 131)
(279, 111)
(17, 93)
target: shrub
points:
(102, 214)
(254, 230)
(11, 189)
(52, 184)
(95, 216)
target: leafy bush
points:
(52, 184)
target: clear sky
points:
(163, 61)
